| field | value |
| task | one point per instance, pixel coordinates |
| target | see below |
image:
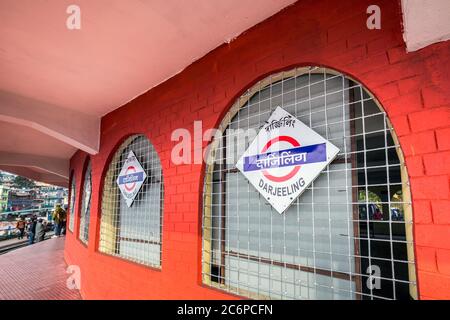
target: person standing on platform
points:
(64, 220)
(59, 216)
(21, 227)
(32, 230)
(40, 230)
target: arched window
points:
(72, 202)
(133, 231)
(85, 210)
(340, 230)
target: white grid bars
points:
(133, 233)
(347, 226)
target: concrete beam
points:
(74, 128)
(54, 180)
(56, 166)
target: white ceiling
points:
(124, 47)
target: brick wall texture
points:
(413, 88)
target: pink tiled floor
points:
(36, 272)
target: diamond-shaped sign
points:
(285, 157)
(131, 178)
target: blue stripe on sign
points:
(131, 178)
(286, 158)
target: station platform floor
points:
(36, 272)
(6, 243)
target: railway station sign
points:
(285, 157)
(131, 178)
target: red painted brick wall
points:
(413, 88)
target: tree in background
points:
(22, 182)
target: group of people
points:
(36, 227)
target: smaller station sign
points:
(285, 157)
(131, 178)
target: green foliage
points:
(22, 182)
(373, 198)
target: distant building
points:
(21, 200)
(6, 179)
(4, 190)
(51, 195)
(43, 196)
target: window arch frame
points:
(72, 203)
(238, 102)
(119, 147)
(87, 164)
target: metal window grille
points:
(133, 233)
(72, 203)
(354, 220)
(85, 211)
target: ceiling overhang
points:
(425, 22)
